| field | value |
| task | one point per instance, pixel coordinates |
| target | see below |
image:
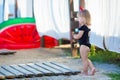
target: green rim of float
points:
(11, 22)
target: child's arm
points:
(79, 35)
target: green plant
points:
(92, 50)
(100, 55)
(114, 76)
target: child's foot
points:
(84, 73)
(93, 71)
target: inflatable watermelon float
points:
(49, 42)
(19, 33)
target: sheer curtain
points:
(52, 18)
(9, 9)
(112, 32)
(97, 28)
(25, 8)
(76, 5)
(1, 11)
(105, 23)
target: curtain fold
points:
(105, 23)
(112, 32)
(97, 28)
(52, 18)
(9, 9)
(6, 10)
(25, 8)
(1, 10)
(76, 5)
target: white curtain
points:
(52, 18)
(112, 32)
(97, 28)
(9, 9)
(25, 8)
(76, 5)
(105, 23)
(6, 10)
(1, 11)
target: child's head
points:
(84, 17)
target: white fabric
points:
(52, 18)
(9, 9)
(112, 32)
(1, 11)
(25, 8)
(6, 10)
(97, 27)
(76, 5)
(105, 22)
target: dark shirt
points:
(84, 40)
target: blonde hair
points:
(85, 13)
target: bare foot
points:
(93, 71)
(84, 73)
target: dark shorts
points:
(89, 45)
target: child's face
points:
(82, 20)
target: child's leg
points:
(84, 57)
(91, 67)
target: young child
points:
(83, 38)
